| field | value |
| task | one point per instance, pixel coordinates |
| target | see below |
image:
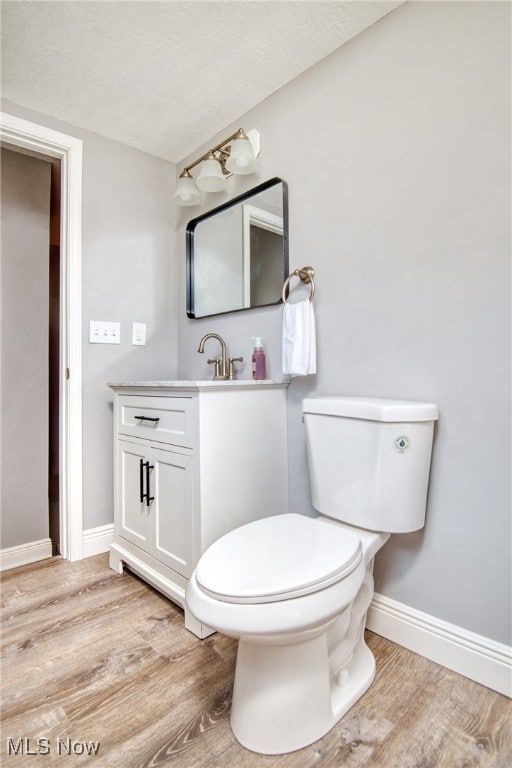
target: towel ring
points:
(307, 275)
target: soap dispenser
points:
(259, 364)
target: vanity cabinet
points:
(192, 461)
(156, 520)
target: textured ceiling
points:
(166, 76)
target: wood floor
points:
(89, 656)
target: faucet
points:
(221, 366)
(224, 368)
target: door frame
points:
(39, 139)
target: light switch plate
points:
(139, 333)
(101, 332)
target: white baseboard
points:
(97, 540)
(474, 656)
(23, 554)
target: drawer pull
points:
(154, 419)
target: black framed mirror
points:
(237, 253)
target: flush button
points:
(402, 443)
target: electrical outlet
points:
(139, 333)
(104, 333)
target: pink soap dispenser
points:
(259, 364)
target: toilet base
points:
(284, 697)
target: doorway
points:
(30, 322)
(44, 142)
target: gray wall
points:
(25, 222)
(128, 274)
(396, 149)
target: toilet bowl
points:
(295, 590)
(302, 661)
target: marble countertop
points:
(198, 384)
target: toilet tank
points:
(369, 460)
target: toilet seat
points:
(277, 558)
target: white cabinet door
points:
(172, 510)
(133, 513)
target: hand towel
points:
(299, 338)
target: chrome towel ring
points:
(307, 275)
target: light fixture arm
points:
(240, 134)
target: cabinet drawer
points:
(164, 419)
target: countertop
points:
(198, 385)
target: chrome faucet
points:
(221, 366)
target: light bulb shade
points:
(186, 191)
(211, 177)
(241, 159)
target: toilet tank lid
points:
(371, 408)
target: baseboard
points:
(23, 554)
(97, 540)
(474, 656)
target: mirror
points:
(237, 254)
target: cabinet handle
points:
(145, 494)
(154, 419)
(141, 480)
(149, 498)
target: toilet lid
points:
(277, 558)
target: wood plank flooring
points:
(89, 656)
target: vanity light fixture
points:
(235, 155)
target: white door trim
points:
(39, 139)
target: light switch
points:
(104, 333)
(139, 333)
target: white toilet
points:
(295, 590)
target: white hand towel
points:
(299, 339)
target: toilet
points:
(295, 590)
